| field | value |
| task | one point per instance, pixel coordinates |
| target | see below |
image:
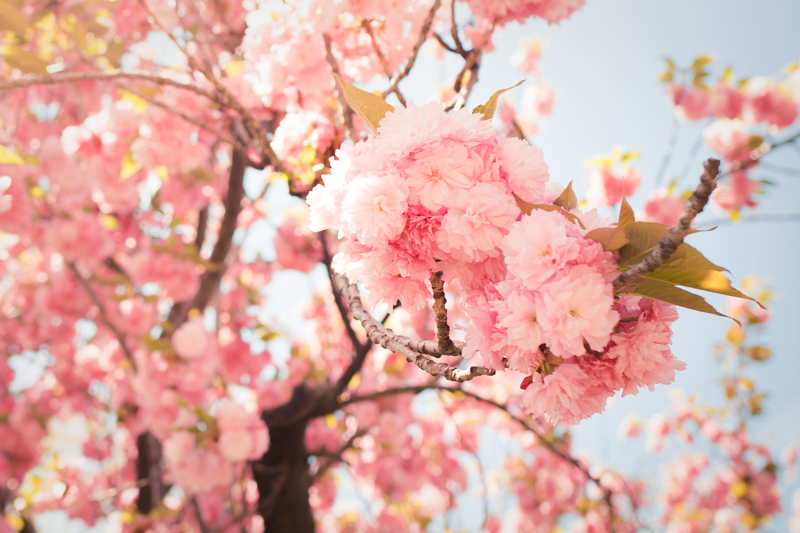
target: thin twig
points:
(667, 246)
(336, 456)
(379, 334)
(347, 111)
(668, 151)
(423, 36)
(760, 153)
(216, 132)
(73, 77)
(228, 100)
(102, 312)
(454, 31)
(367, 25)
(420, 346)
(778, 217)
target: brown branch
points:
(228, 99)
(444, 44)
(215, 132)
(385, 337)
(361, 349)
(148, 473)
(667, 246)
(199, 516)
(767, 148)
(102, 313)
(73, 77)
(446, 346)
(336, 456)
(423, 36)
(454, 31)
(209, 280)
(347, 111)
(367, 25)
(519, 420)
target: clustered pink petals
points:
(433, 192)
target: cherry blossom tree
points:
(459, 287)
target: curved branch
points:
(347, 111)
(423, 36)
(385, 337)
(667, 246)
(102, 312)
(73, 77)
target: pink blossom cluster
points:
(430, 192)
(609, 183)
(739, 110)
(433, 192)
(553, 11)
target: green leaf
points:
(488, 109)
(666, 292)
(371, 107)
(687, 256)
(23, 60)
(643, 237)
(567, 200)
(612, 239)
(625, 214)
(528, 208)
(697, 278)
(11, 19)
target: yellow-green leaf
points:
(528, 208)
(629, 156)
(23, 60)
(10, 157)
(670, 64)
(686, 256)
(567, 200)
(371, 107)
(625, 214)
(697, 278)
(666, 77)
(643, 237)
(612, 239)
(701, 62)
(11, 19)
(759, 353)
(666, 292)
(487, 110)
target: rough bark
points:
(282, 474)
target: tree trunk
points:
(282, 475)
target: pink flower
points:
(539, 245)
(726, 100)
(191, 339)
(664, 208)
(475, 222)
(764, 102)
(436, 174)
(526, 57)
(374, 209)
(561, 396)
(575, 308)
(81, 238)
(527, 172)
(692, 104)
(737, 192)
(608, 185)
(729, 139)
